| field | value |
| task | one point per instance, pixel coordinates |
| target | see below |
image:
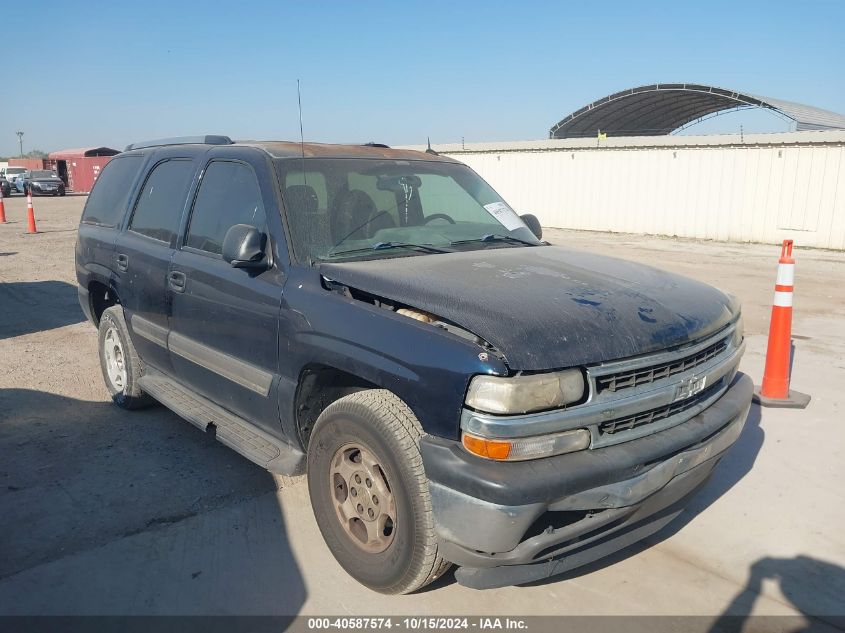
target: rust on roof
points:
(292, 149)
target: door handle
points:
(123, 262)
(176, 280)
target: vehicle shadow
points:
(814, 587)
(23, 311)
(112, 512)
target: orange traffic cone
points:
(775, 391)
(30, 214)
(2, 208)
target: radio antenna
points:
(301, 135)
(302, 150)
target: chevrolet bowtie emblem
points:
(690, 387)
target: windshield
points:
(43, 174)
(14, 171)
(364, 208)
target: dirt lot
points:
(111, 512)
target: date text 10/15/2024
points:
(417, 623)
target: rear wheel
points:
(121, 365)
(370, 494)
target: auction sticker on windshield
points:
(505, 215)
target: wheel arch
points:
(320, 385)
(101, 296)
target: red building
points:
(79, 168)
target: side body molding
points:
(238, 371)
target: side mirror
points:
(533, 223)
(243, 247)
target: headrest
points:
(303, 198)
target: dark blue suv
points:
(457, 390)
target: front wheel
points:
(121, 365)
(370, 494)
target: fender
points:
(411, 358)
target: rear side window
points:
(228, 195)
(107, 201)
(159, 206)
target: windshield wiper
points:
(383, 246)
(495, 237)
(423, 247)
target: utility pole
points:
(20, 141)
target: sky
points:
(109, 73)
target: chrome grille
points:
(660, 413)
(645, 375)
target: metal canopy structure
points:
(659, 109)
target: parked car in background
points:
(42, 182)
(11, 174)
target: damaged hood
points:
(548, 307)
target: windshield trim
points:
(470, 245)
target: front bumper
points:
(514, 522)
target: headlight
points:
(524, 394)
(523, 448)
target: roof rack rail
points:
(373, 144)
(208, 139)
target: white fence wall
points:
(761, 188)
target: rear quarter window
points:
(107, 201)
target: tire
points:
(404, 556)
(122, 367)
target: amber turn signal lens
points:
(522, 448)
(491, 449)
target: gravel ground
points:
(111, 512)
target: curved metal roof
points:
(659, 109)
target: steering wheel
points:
(438, 216)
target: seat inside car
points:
(355, 216)
(302, 198)
(303, 204)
